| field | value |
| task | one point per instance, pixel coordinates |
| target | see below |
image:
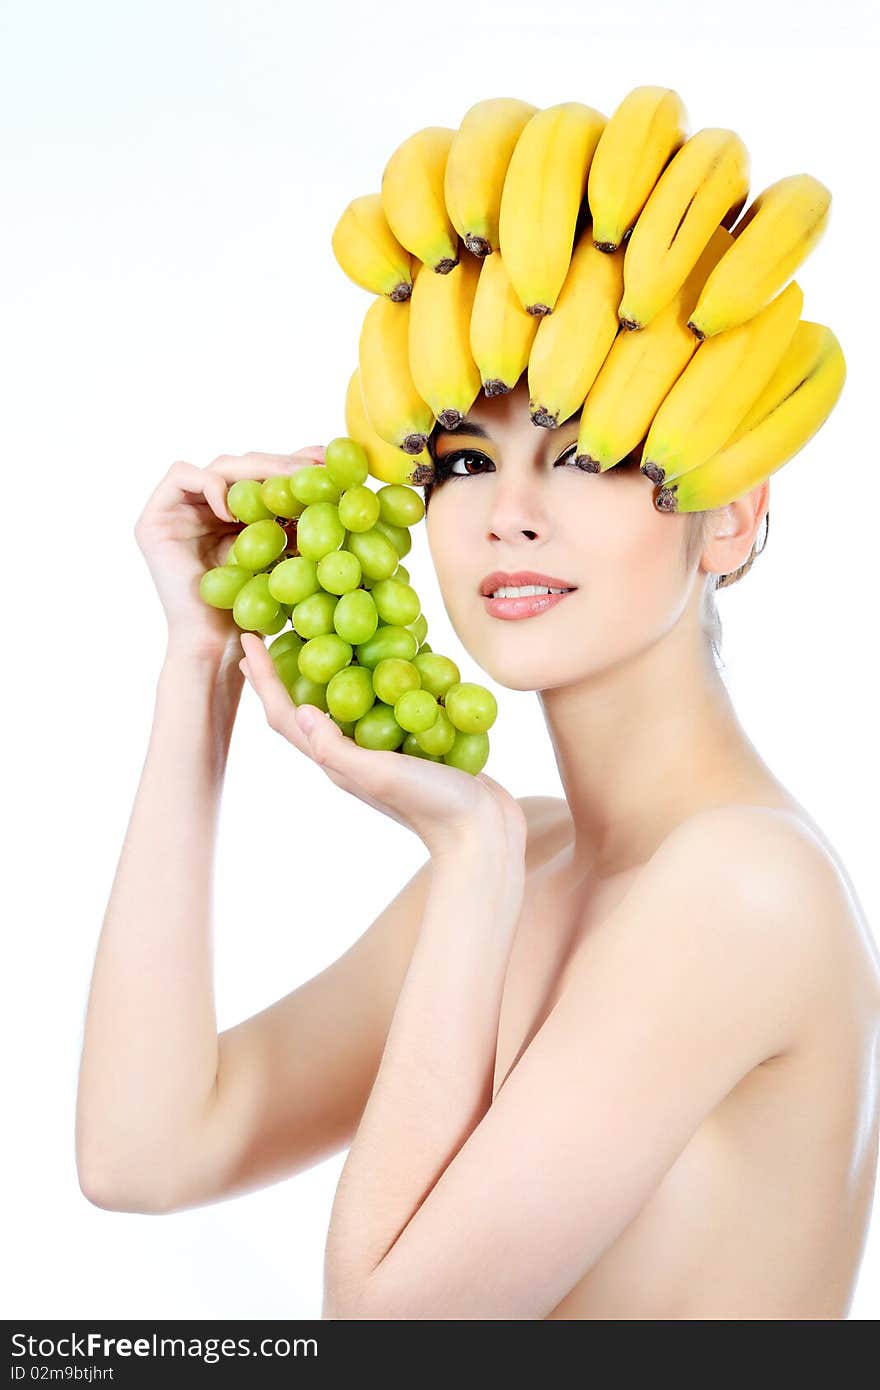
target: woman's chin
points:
(520, 675)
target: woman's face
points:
(514, 500)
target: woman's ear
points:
(731, 530)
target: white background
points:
(172, 175)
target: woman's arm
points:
(434, 1083)
(706, 969)
(149, 1058)
(148, 1069)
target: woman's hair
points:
(697, 537)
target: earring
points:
(766, 532)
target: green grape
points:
(307, 692)
(399, 537)
(440, 737)
(396, 603)
(277, 623)
(287, 668)
(346, 725)
(355, 617)
(313, 484)
(416, 711)
(378, 728)
(255, 609)
(419, 627)
(230, 557)
(260, 543)
(339, 572)
(313, 616)
(278, 497)
(287, 642)
(377, 555)
(284, 652)
(294, 579)
(392, 676)
(321, 657)
(245, 500)
(401, 573)
(400, 505)
(410, 745)
(437, 672)
(387, 641)
(358, 508)
(220, 586)
(350, 693)
(346, 461)
(469, 752)
(471, 708)
(319, 530)
(424, 647)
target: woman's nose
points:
(516, 510)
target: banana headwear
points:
(615, 260)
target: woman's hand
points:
(186, 528)
(444, 806)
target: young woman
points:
(613, 1056)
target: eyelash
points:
(443, 468)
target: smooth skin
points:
(609, 1057)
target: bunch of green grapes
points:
(322, 550)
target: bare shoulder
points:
(780, 887)
(739, 913)
(768, 854)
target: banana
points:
(368, 251)
(774, 236)
(572, 343)
(413, 201)
(640, 370)
(543, 189)
(718, 387)
(795, 403)
(386, 462)
(705, 184)
(502, 333)
(475, 170)
(642, 135)
(443, 369)
(394, 407)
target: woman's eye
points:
(445, 468)
(444, 464)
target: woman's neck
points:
(645, 743)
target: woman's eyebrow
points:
(465, 428)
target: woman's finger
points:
(186, 482)
(305, 726)
(280, 710)
(260, 465)
(231, 468)
(314, 732)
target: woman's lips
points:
(524, 606)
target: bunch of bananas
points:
(603, 256)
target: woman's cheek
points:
(449, 556)
(631, 568)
